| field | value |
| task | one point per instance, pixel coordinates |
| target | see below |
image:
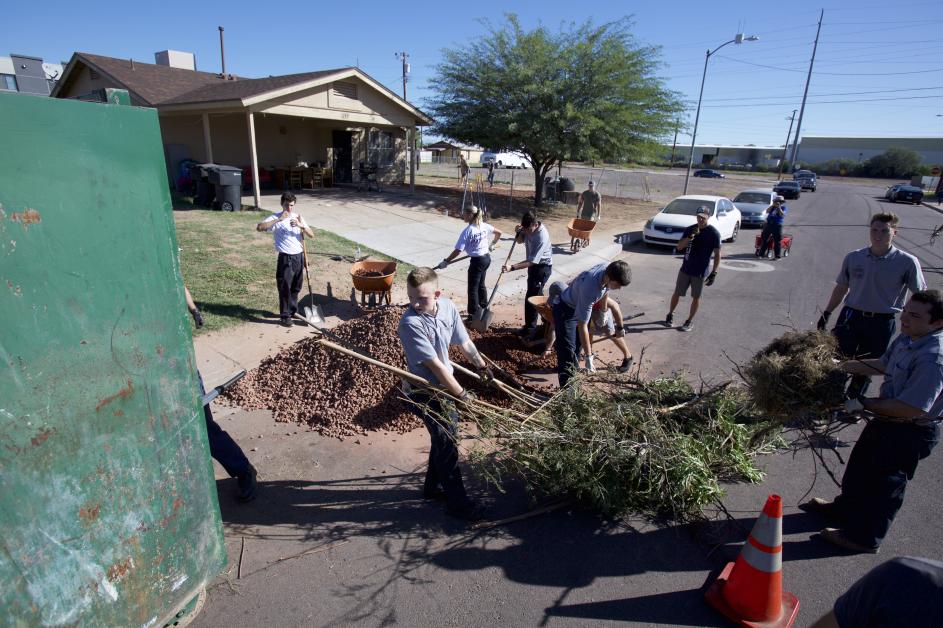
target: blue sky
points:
(878, 70)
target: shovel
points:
(481, 323)
(312, 313)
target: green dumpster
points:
(108, 505)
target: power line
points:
(876, 91)
(772, 67)
(829, 102)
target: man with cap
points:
(589, 207)
(775, 216)
(538, 262)
(699, 242)
(873, 282)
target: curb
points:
(938, 209)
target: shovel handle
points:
(501, 274)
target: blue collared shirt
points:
(880, 284)
(425, 337)
(585, 290)
(538, 247)
(914, 372)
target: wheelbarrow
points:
(374, 279)
(542, 304)
(785, 244)
(580, 231)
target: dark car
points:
(806, 180)
(709, 174)
(788, 189)
(907, 193)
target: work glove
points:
(442, 265)
(853, 405)
(590, 367)
(467, 396)
(486, 375)
(710, 279)
(620, 332)
(823, 321)
(506, 269)
(197, 318)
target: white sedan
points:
(665, 227)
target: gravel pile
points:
(338, 395)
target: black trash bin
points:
(204, 193)
(566, 185)
(228, 182)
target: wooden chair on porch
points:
(295, 179)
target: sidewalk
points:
(414, 230)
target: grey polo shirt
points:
(538, 247)
(425, 337)
(880, 284)
(585, 290)
(914, 372)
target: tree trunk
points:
(538, 187)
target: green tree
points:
(894, 163)
(587, 92)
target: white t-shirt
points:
(287, 238)
(475, 241)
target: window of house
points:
(8, 81)
(381, 148)
(347, 90)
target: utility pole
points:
(674, 144)
(795, 144)
(403, 56)
(782, 162)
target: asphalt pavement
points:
(339, 535)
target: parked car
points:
(707, 173)
(788, 189)
(753, 205)
(904, 192)
(665, 227)
(504, 159)
(806, 180)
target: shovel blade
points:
(314, 315)
(482, 323)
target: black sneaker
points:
(437, 495)
(626, 365)
(669, 320)
(286, 322)
(248, 486)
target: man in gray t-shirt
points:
(538, 262)
(873, 283)
(429, 325)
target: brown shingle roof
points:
(164, 85)
(244, 88)
(153, 83)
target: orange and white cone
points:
(750, 591)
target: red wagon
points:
(785, 244)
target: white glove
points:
(853, 405)
(590, 368)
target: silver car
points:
(753, 205)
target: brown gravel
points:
(338, 395)
(362, 272)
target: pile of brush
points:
(796, 377)
(657, 448)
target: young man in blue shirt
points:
(699, 242)
(430, 324)
(904, 429)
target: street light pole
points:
(739, 39)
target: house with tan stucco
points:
(330, 121)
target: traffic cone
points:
(750, 591)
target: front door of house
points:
(343, 157)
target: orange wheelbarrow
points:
(373, 279)
(580, 231)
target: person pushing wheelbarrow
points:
(588, 213)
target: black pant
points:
(477, 294)
(883, 460)
(222, 447)
(864, 337)
(443, 469)
(566, 342)
(776, 232)
(537, 277)
(289, 276)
